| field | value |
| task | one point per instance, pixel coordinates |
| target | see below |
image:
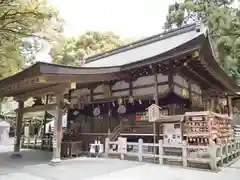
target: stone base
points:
(16, 155)
(55, 162)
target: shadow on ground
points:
(29, 158)
(34, 165)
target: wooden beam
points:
(24, 83)
(54, 89)
(45, 107)
(200, 77)
(84, 78)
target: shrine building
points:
(109, 95)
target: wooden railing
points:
(68, 149)
(212, 155)
(71, 149)
(115, 133)
(36, 142)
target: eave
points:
(44, 76)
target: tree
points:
(73, 51)
(20, 19)
(223, 22)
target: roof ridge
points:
(142, 42)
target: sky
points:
(126, 18)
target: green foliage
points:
(73, 51)
(223, 22)
(20, 19)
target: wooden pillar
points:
(170, 85)
(17, 143)
(155, 125)
(69, 100)
(212, 105)
(57, 137)
(190, 95)
(45, 118)
(229, 106)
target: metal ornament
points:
(96, 111)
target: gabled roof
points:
(113, 64)
(146, 48)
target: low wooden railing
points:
(212, 155)
(71, 149)
(36, 142)
(68, 149)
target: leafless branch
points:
(12, 22)
(5, 14)
(23, 34)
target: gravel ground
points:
(34, 166)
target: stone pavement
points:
(34, 166)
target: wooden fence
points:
(68, 149)
(36, 142)
(212, 156)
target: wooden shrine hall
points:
(109, 95)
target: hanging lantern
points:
(121, 109)
(120, 101)
(184, 92)
(96, 111)
(131, 100)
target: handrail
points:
(115, 133)
(115, 129)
